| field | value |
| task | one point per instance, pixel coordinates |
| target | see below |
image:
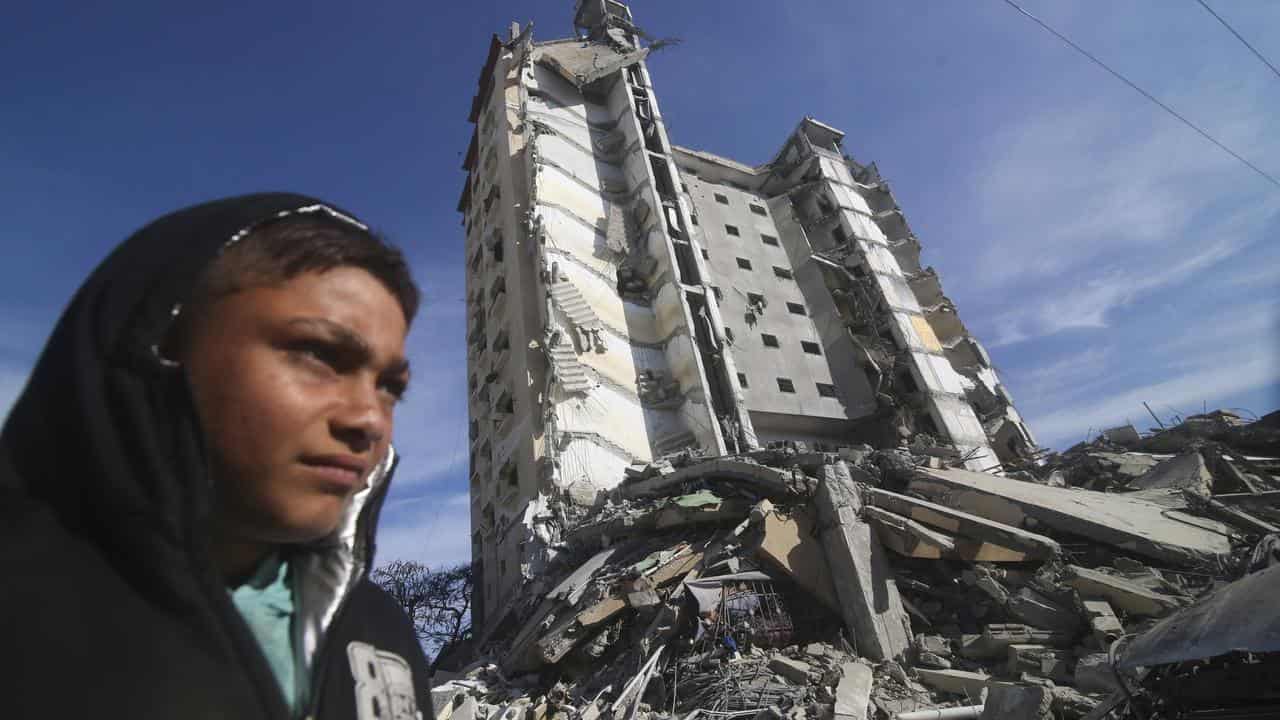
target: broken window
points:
(769, 240)
(742, 380)
(721, 199)
(785, 385)
(769, 340)
(744, 263)
(732, 230)
(506, 405)
(826, 390)
(782, 272)
(757, 209)
(810, 347)
(796, 309)
(509, 476)
(705, 254)
(756, 299)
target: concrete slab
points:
(853, 694)
(956, 682)
(1120, 592)
(1141, 527)
(870, 604)
(1184, 472)
(793, 670)
(791, 545)
(962, 523)
(1039, 611)
(908, 537)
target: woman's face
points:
(295, 385)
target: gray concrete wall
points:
(762, 365)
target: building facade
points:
(629, 299)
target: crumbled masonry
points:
(734, 454)
(862, 584)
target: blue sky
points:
(1104, 253)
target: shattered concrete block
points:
(956, 682)
(1187, 471)
(1039, 660)
(1039, 611)
(932, 660)
(1103, 622)
(1094, 674)
(996, 638)
(1071, 704)
(853, 694)
(1006, 701)
(465, 710)
(793, 670)
(643, 598)
(442, 698)
(935, 644)
(1125, 594)
(870, 604)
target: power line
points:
(1232, 30)
(1144, 93)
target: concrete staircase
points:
(566, 295)
(571, 374)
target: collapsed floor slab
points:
(1139, 526)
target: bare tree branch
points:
(437, 601)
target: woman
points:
(190, 482)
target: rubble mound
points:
(1125, 577)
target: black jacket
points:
(109, 603)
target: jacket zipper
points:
(366, 528)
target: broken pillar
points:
(869, 601)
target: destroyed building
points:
(628, 299)
(733, 454)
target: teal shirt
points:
(265, 601)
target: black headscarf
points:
(105, 436)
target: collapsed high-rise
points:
(629, 299)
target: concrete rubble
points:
(862, 584)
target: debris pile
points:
(1128, 576)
